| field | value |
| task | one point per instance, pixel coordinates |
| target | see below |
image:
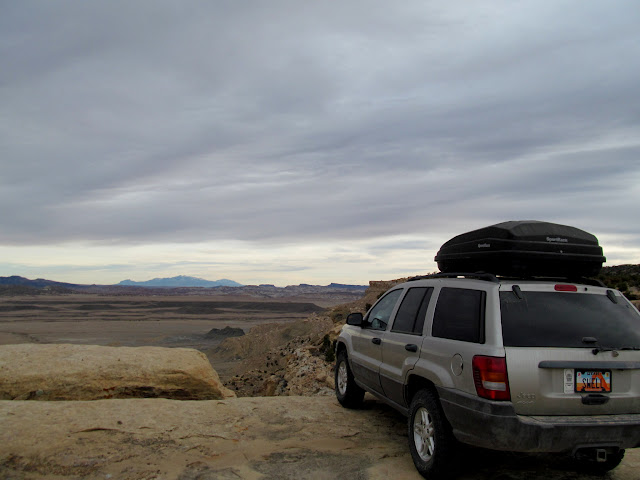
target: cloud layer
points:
(287, 123)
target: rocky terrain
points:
(284, 424)
(290, 359)
(268, 438)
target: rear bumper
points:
(495, 425)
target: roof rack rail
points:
(489, 277)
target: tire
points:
(431, 441)
(348, 393)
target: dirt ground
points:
(244, 438)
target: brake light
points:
(566, 288)
(490, 377)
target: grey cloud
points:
(152, 122)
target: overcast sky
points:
(295, 141)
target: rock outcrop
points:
(240, 438)
(289, 359)
(91, 372)
(284, 438)
(226, 332)
(279, 359)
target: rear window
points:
(554, 319)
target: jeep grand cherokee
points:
(507, 364)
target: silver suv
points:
(507, 364)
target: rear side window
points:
(412, 311)
(557, 319)
(459, 315)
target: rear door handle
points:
(376, 340)
(410, 347)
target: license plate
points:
(593, 381)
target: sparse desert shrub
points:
(339, 314)
(328, 348)
(330, 355)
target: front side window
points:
(378, 317)
(459, 315)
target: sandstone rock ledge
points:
(238, 438)
(91, 372)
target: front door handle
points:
(376, 340)
(410, 347)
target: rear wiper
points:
(597, 350)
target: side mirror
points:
(355, 319)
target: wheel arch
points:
(341, 346)
(415, 383)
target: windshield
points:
(554, 319)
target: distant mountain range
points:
(172, 282)
(332, 294)
(181, 281)
(38, 283)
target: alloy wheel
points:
(342, 378)
(424, 434)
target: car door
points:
(367, 341)
(401, 346)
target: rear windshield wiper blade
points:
(597, 350)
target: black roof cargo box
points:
(527, 248)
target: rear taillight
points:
(560, 287)
(490, 377)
